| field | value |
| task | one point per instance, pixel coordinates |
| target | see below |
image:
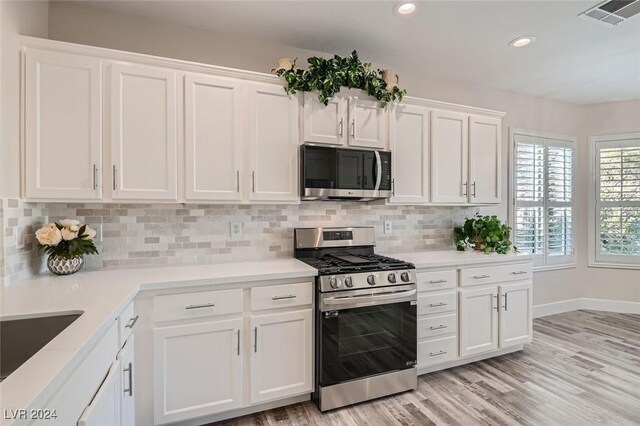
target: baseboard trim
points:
(618, 306)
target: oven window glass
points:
(365, 341)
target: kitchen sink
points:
(20, 339)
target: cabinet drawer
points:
(280, 296)
(495, 274)
(436, 303)
(437, 326)
(436, 351)
(436, 280)
(126, 321)
(196, 305)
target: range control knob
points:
(405, 276)
(392, 278)
(371, 279)
(348, 282)
(335, 282)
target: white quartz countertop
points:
(100, 296)
(438, 259)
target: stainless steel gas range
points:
(366, 316)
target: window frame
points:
(597, 260)
(545, 261)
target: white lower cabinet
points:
(516, 314)
(104, 409)
(127, 384)
(198, 369)
(281, 354)
(478, 320)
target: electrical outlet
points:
(20, 237)
(388, 228)
(236, 230)
(98, 237)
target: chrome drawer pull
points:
(441, 326)
(129, 371)
(437, 281)
(437, 353)
(479, 277)
(519, 272)
(290, 296)
(132, 322)
(206, 305)
(436, 305)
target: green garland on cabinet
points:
(327, 76)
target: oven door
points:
(366, 332)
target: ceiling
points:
(573, 59)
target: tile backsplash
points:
(175, 234)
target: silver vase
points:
(62, 266)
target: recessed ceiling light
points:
(522, 41)
(406, 8)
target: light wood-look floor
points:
(583, 368)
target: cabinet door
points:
(324, 124)
(367, 124)
(198, 370)
(484, 159)
(63, 116)
(127, 387)
(213, 138)
(449, 144)
(143, 132)
(516, 322)
(478, 320)
(104, 408)
(409, 139)
(281, 355)
(273, 144)
(350, 169)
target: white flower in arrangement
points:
(68, 223)
(90, 233)
(49, 235)
(69, 234)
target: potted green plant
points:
(327, 76)
(484, 233)
(66, 242)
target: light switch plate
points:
(388, 228)
(235, 230)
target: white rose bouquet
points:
(67, 239)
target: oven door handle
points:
(370, 299)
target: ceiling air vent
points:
(613, 12)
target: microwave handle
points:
(378, 170)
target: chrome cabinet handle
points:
(237, 180)
(519, 272)
(129, 370)
(95, 177)
(505, 302)
(480, 277)
(255, 339)
(238, 351)
(437, 281)
(253, 181)
(341, 126)
(437, 353)
(115, 172)
(206, 305)
(474, 189)
(497, 308)
(465, 188)
(132, 322)
(436, 305)
(289, 296)
(353, 128)
(441, 326)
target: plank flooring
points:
(583, 368)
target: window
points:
(614, 219)
(542, 193)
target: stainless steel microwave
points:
(330, 173)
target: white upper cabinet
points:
(325, 124)
(516, 314)
(484, 159)
(213, 138)
(63, 116)
(367, 124)
(449, 157)
(143, 132)
(273, 144)
(409, 142)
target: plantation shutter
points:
(617, 204)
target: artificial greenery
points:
(484, 233)
(327, 76)
(80, 245)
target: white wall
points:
(78, 23)
(16, 18)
